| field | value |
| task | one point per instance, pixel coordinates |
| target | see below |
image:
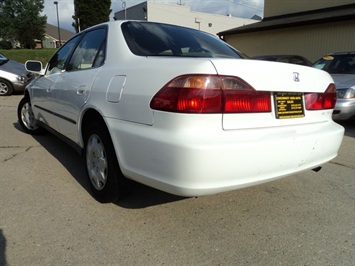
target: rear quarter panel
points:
(144, 77)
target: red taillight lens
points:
(190, 94)
(247, 102)
(320, 101)
(210, 94)
(199, 101)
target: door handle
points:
(81, 90)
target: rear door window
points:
(90, 52)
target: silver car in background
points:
(13, 76)
(341, 66)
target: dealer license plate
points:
(288, 105)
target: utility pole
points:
(125, 10)
(60, 42)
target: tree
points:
(20, 21)
(88, 13)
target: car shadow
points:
(141, 196)
(349, 126)
(2, 248)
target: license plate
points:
(288, 105)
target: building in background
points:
(311, 28)
(181, 15)
(51, 38)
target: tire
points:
(6, 88)
(26, 117)
(106, 180)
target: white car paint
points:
(192, 154)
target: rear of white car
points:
(179, 110)
(195, 145)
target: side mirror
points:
(35, 67)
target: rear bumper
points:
(194, 162)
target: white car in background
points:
(179, 110)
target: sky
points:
(237, 8)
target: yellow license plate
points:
(288, 105)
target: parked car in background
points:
(13, 76)
(179, 110)
(292, 59)
(341, 66)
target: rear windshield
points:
(337, 64)
(155, 39)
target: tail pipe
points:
(317, 169)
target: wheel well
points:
(2, 79)
(26, 94)
(90, 115)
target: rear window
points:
(155, 39)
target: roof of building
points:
(52, 31)
(345, 12)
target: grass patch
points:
(22, 55)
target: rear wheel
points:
(106, 180)
(6, 88)
(26, 117)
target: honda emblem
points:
(296, 76)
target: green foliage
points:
(22, 55)
(20, 21)
(90, 12)
(5, 45)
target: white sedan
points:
(179, 110)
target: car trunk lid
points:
(287, 84)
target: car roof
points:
(342, 53)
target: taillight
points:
(210, 94)
(247, 101)
(320, 101)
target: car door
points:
(42, 90)
(72, 90)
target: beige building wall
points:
(312, 41)
(280, 7)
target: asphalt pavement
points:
(48, 217)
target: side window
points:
(57, 62)
(284, 60)
(90, 52)
(100, 57)
(298, 61)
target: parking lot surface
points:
(48, 217)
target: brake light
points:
(320, 101)
(210, 94)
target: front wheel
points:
(6, 88)
(106, 180)
(26, 117)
